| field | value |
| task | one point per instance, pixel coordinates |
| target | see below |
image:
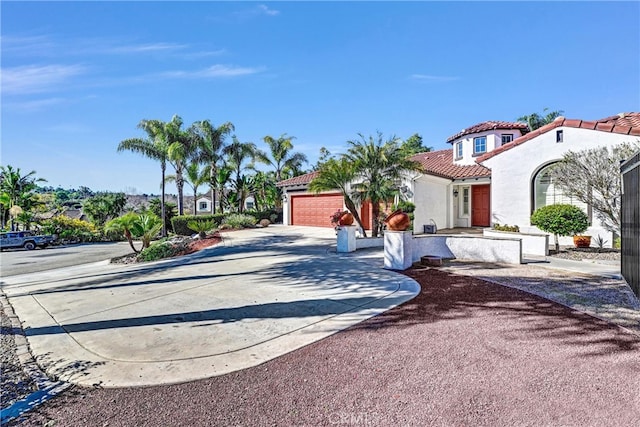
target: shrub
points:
(180, 224)
(201, 227)
(71, 229)
(505, 227)
(159, 250)
(240, 221)
(561, 220)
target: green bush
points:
(201, 227)
(560, 220)
(240, 221)
(159, 250)
(71, 229)
(270, 214)
(180, 224)
(505, 227)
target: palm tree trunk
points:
(375, 213)
(162, 203)
(195, 194)
(354, 211)
(180, 185)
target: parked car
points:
(24, 239)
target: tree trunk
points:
(352, 208)
(375, 213)
(162, 204)
(180, 185)
(555, 237)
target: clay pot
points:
(398, 221)
(582, 241)
(346, 219)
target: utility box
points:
(429, 229)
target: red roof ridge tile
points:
(489, 125)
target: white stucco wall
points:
(432, 196)
(513, 170)
(494, 140)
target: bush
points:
(240, 221)
(270, 214)
(505, 227)
(159, 250)
(180, 224)
(71, 229)
(561, 220)
(201, 227)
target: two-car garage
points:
(315, 210)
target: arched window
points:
(547, 192)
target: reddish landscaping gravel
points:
(462, 353)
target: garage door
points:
(314, 210)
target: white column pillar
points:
(398, 250)
(346, 238)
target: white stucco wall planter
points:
(369, 242)
(401, 249)
(346, 235)
(532, 243)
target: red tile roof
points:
(623, 123)
(490, 125)
(298, 180)
(440, 163)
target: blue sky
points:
(77, 77)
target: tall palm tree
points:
(238, 153)
(337, 174)
(223, 175)
(155, 147)
(280, 155)
(18, 189)
(210, 141)
(194, 177)
(182, 148)
(379, 166)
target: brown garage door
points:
(314, 210)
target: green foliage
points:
(536, 120)
(505, 227)
(104, 206)
(170, 211)
(180, 224)
(201, 227)
(159, 250)
(71, 229)
(240, 221)
(560, 220)
(617, 243)
(413, 145)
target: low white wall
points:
(532, 244)
(370, 242)
(472, 248)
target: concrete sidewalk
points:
(260, 294)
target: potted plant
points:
(341, 217)
(561, 220)
(398, 221)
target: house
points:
(495, 172)
(520, 179)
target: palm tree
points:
(379, 166)
(18, 189)
(338, 174)
(143, 226)
(210, 140)
(194, 177)
(237, 154)
(223, 175)
(536, 120)
(155, 147)
(182, 148)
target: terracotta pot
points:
(582, 241)
(398, 221)
(346, 219)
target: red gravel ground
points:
(462, 353)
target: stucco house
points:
(495, 172)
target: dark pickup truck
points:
(24, 239)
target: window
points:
(465, 201)
(545, 192)
(203, 206)
(458, 150)
(559, 136)
(507, 137)
(479, 145)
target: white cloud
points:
(146, 48)
(432, 78)
(214, 71)
(264, 9)
(34, 105)
(37, 78)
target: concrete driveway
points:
(260, 294)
